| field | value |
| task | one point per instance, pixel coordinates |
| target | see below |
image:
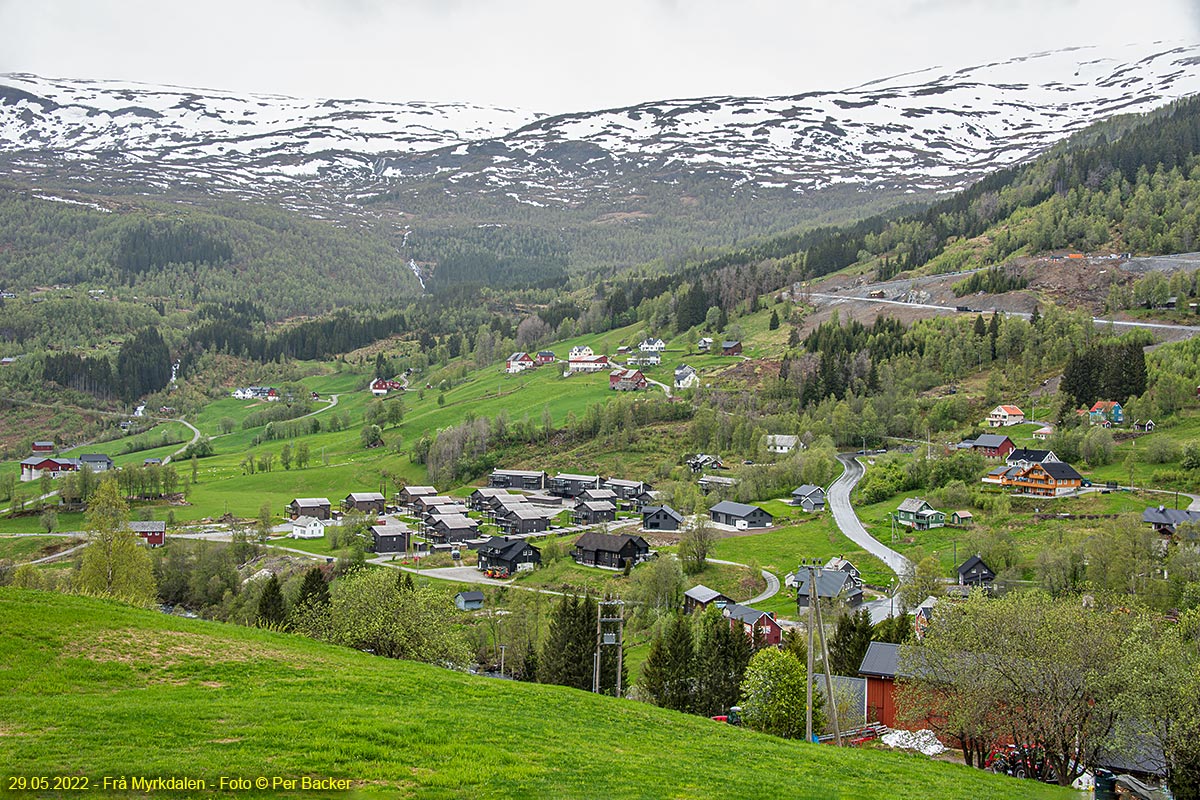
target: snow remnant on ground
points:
(925, 741)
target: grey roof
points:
(670, 512)
(807, 490)
(364, 497)
(720, 480)
(881, 660)
(596, 506)
(148, 527)
(600, 494)
(743, 613)
(418, 491)
(736, 509)
(455, 522)
(702, 594)
(490, 492)
(782, 439)
(304, 502)
(912, 505)
(471, 596)
(1169, 516)
(625, 484)
(990, 440)
(728, 344)
(521, 473)
(528, 512)
(830, 583)
(568, 476)
(98, 458)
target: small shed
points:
(963, 519)
(468, 601)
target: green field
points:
(27, 548)
(92, 688)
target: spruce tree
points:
(270, 604)
(849, 643)
(567, 653)
(774, 322)
(314, 590)
(721, 657)
(669, 674)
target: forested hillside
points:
(1131, 184)
(186, 255)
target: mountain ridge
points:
(897, 133)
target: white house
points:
(242, 394)
(782, 443)
(686, 377)
(519, 362)
(705, 344)
(580, 351)
(652, 346)
(1002, 416)
(589, 363)
(1043, 433)
(307, 528)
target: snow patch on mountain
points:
(931, 130)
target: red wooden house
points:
(754, 623)
(153, 533)
(879, 668)
(43, 447)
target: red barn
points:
(879, 668)
(43, 447)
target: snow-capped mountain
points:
(931, 130)
(214, 140)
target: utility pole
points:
(502, 661)
(808, 722)
(837, 732)
(609, 638)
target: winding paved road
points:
(770, 577)
(849, 524)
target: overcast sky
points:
(553, 55)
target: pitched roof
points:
(609, 543)
(596, 506)
(912, 504)
(98, 458)
(1105, 405)
(973, 562)
(728, 344)
(1061, 471)
(744, 613)
(518, 473)
(1028, 454)
(419, 490)
(670, 512)
(736, 509)
(782, 439)
(830, 583)
(147, 527)
(1014, 410)
(473, 596)
(364, 497)
(505, 549)
(808, 489)
(455, 522)
(568, 476)
(881, 660)
(702, 594)
(989, 440)
(311, 501)
(1169, 516)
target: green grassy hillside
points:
(92, 688)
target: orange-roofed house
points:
(1005, 415)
